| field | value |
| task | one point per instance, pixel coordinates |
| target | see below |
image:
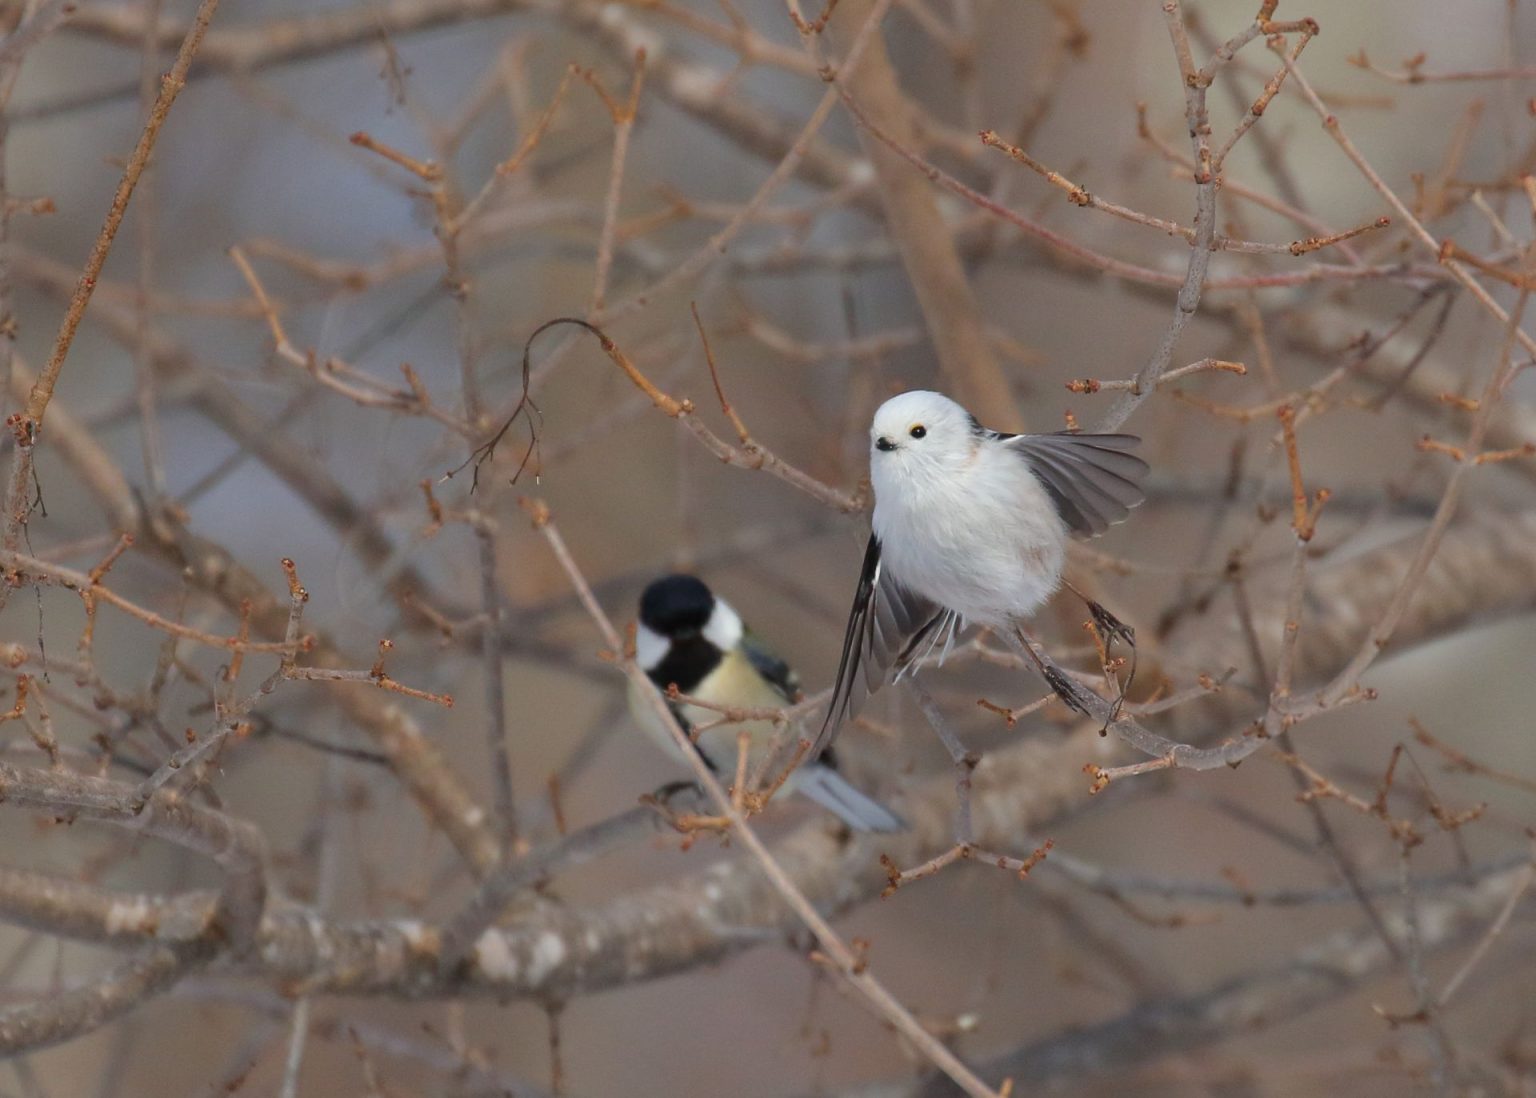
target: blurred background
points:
(1163, 947)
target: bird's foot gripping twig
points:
(1107, 630)
(1110, 626)
(1071, 694)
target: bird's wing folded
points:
(770, 666)
(1094, 480)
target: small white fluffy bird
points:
(970, 526)
(689, 637)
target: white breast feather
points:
(979, 536)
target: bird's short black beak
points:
(884, 444)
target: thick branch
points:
(234, 845)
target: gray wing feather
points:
(1094, 480)
(886, 625)
(940, 632)
(900, 622)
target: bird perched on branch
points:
(970, 526)
(690, 638)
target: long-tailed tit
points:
(689, 637)
(970, 526)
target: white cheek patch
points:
(650, 648)
(723, 630)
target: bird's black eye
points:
(918, 431)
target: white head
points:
(920, 431)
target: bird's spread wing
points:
(1094, 480)
(766, 663)
(886, 627)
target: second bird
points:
(690, 637)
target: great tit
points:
(689, 637)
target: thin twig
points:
(170, 87)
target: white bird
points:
(690, 638)
(970, 526)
